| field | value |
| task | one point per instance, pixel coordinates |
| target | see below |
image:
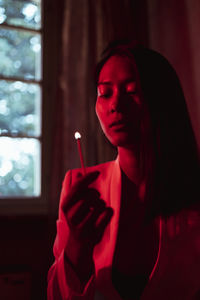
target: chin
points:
(120, 141)
(121, 138)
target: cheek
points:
(100, 112)
(97, 108)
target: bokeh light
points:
(19, 167)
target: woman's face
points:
(119, 101)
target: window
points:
(20, 98)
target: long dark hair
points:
(172, 173)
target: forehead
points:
(118, 68)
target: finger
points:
(92, 197)
(87, 227)
(87, 179)
(77, 213)
(78, 188)
(79, 210)
(89, 195)
(87, 213)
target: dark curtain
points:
(170, 27)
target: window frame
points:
(50, 34)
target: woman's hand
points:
(87, 216)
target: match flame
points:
(77, 135)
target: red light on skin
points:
(78, 139)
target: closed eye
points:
(104, 95)
(104, 92)
(131, 88)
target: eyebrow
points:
(129, 80)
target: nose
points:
(116, 103)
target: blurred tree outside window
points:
(20, 98)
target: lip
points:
(118, 123)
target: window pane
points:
(20, 54)
(19, 167)
(20, 108)
(21, 13)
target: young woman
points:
(130, 228)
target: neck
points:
(129, 163)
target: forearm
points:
(80, 258)
(64, 284)
(53, 289)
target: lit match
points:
(78, 138)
